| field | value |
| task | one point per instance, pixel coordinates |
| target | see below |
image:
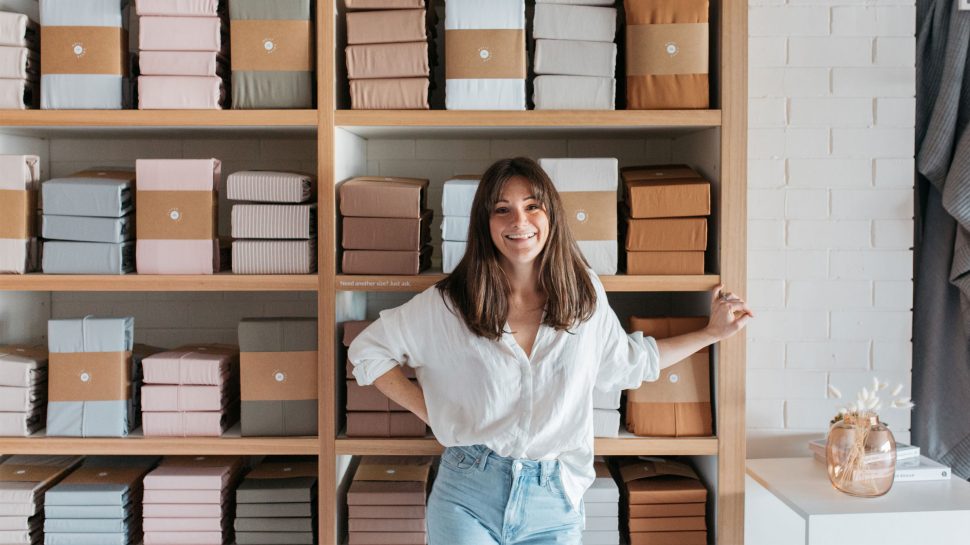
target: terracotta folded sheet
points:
(185, 8)
(181, 34)
(19, 63)
(269, 186)
(384, 197)
(389, 94)
(573, 22)
(274, 221)
(575, 58)
(274, 256)
(386, 26)
(399, 60)
(387, 233)
(386, 261)
(19, 94)
(667, 48)
(16, 29)
(384, 424)
(180, 93)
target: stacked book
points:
(99, 503)
(456, 210)
(19, 184)
(666, 209)
(388, 61)
(386, 225)
(23, 482)
(88, 222)
(187, 500)
(387, 500)
(606, 413)
(23, 389)
(276, 503)
(279, 234)
(575, 57)
(19, 62)
(602, 502)
(910, 464)
(182, 55)
(190, 391)
(665, 502)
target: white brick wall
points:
(831, 86)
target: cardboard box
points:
(409, 234)
(674, 234)
(668, 198)
(384, 424)
(386, 261)
(384, 197)
(668, 538)
(667, 524)
(659, 263)
(369, 398)
(668, 510)
(678, 404)
(660, 482)
(664, 327)
(658, 172)
(391, 481)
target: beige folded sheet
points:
(397, 60)
(389, 94)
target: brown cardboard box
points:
(660, 482)
(369, 398)
(668, 198)
(386, 26)
(673, 234)
(384, 197)
(668, 538)
(384, 424)
(386, 261)
(391, 481)
(409, 234)
(665, 262)
(387, 538)
(678, 404)
(668, 510)
(657, 172)
(667, 524)
(664, 327)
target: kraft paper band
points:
(89, 376)
(28, 474)
(591, 215)
(278, 376)
(175, 215)
(17, 210)
(667, 49)
(485, 54)
(84, 50)
(393, 472)
(105, 475)
(284, 470)
(271, 46)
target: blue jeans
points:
(481, 498)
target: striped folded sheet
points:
(274, 256)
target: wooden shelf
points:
(626, 445)
(529, 118)
(148, 282)
(617, 283)
(159, 118)
(229, 443)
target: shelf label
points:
(357, 284)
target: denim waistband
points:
(485, 458)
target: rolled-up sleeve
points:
(627, 360)
(381, 346)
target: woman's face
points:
(519, 224)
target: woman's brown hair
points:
(478, 289)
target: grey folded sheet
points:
(88, 229)
(88, 257)
(575, 58)
(274, 538)
(85, 526)
(269, 186)
(279, 418)
(118, 538)
(97, 197)
(291, 490)
(274, 221)
(267, 510)
(574, 93)
(87, 511)
(273, 524)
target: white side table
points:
(790, 501)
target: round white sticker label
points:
(175, 215)
(279, 376)
(484, 54)
(674, 378)
(85, 377)
(269, 45)
(672, 48)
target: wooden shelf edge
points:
(528, 118)
(617, 283)
(622, 446)
(136, 282)
(160, 118)
(160, 445)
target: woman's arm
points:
(729, 314)
(402, 391)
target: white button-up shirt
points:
(480, 391)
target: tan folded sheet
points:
(389, 94)
(383, 4)
(387, 233)
(399, 60)
(386, 261)
(387, 26)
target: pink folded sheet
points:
(198, 524)
(184, 367)
(184, 8)
(180, 33)
(187, 478)
(177, 497)
(183, 538)
(162, 398)
(181, 63)
(178, 174)
(185, 424)
(188, 510)
(177, 256)
(180, 93)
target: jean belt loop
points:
(482, 458)
(545, 468)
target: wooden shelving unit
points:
(147, 282)
(159, 118)
(623, 446)
(421, 282)
(229, 443)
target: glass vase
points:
(860, 454)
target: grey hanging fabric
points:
(941, 330)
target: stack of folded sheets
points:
(177, 216)
(575, 57)
(276, 504)
(588, 191)
(602, 502)
(278, 235)
(666, 219)
(19, 183)
(606, 413)
(23, 389)
(23, 482)
(664, 501)
(485, 60)
(386, 225)
(456, 210)
(188, 500)
(84, 58)
(89, 223)
(191, 391)
(19, 62)
(369, 412)
(99, 503)
(272, 53)
(387, 500)
(183, 54)
(388, 62)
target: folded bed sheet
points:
(397, 60)
(574, 93)
(184, 398)
(19, 63)
(387, 233)
(88, 257)
(606, 422)
(88, 229)
(16, 29)
(83, 195)
(269, 186)
(201, 365)
(383, 4)
(181, 93)
(181, 34)
(23, 366)
(574, 22)
(274, 256)
(21, 424)
(19, 181)
(274, 221)
(19, 94)
(182, 63)
(386, 261)
(386, 26)
(390, 94)
(455, 228)
(178, 8)
(383, 197)
(575, 58)
(18, 399)
(187, 424)
(457, 195)
(451, 254)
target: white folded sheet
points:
(564, 22)
(451, 254)
(578, 2)
(17, 29)
(575, 58)
(18, 94)
(606, 400)
(457, 196)
(574, 93)
(606, 423)
(598, 537)
(18, 63)
(582, 174)
(476, 14)
(455, 228)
